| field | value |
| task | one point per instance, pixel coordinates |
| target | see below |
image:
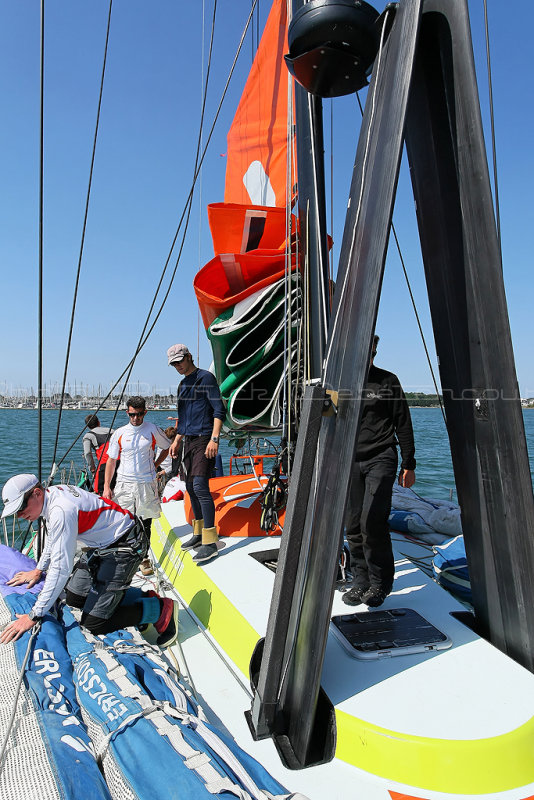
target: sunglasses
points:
(136, 413)
(25, 501)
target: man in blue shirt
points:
(200, 417)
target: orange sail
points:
(242, 290)
(257, 140)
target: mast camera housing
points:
(332, 45)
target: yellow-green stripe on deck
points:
(219, 616)
(461, 767)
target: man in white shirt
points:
(136, 488)
(116, 543)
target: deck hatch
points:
(393, 632)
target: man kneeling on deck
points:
(99, 585)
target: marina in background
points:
(18, 442)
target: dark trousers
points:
(367, 528)
(100, 579)
(198, 471)
(202, 503)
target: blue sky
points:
(143, 170)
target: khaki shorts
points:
(141, 498)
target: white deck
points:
(469, 692)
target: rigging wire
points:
(252, 40)
(419, 325)
(196, 171)
(40, 298)
(414, 306)
(202, 56)
(311, 105)
(362, 184)
(185, 215)
(84, 228)
(492, 125)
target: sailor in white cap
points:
(116, 543)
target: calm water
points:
(18, 443)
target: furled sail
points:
(249, 293)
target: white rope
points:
(244, 686)
(288, 350)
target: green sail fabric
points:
(248, 343)
(255, 401)
(235, 322)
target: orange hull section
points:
(237, 506)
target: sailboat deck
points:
(458, 720)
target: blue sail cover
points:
(113, 704)
(450, 568)
(48, 678)
(143, 718)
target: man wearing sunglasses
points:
(115, 543)
(136, 488)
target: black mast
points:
(462, 259)
(444, 137)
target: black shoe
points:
(206, 552)
(194, 541)
(170, 632)
(374, 596)
(354, 596)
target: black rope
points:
(419, 323)
(418, 320)
(199, 145)
(189, 207)
(84, 228)
(185, 214)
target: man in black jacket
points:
(385, 423)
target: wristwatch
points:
(215, 439)
(33, 616)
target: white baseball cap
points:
(14, 491)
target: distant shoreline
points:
(95, 409)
